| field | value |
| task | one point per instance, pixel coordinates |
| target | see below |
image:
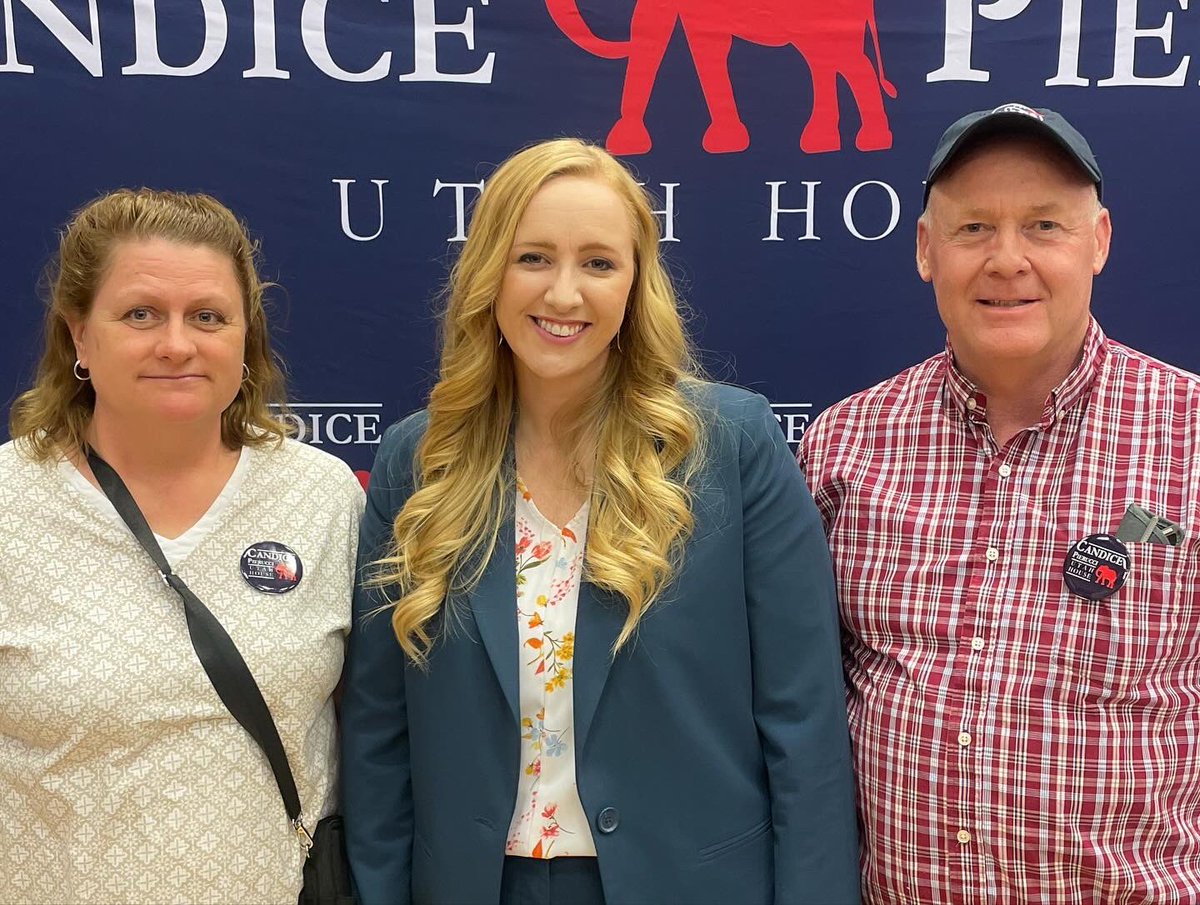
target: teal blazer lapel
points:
(597, 624)
(494, 603)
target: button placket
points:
(968, 706)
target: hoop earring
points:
(75, 369)
(618, 340)
(245, 372)
(499, 344)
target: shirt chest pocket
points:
(1133, 645)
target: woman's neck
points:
(154, 453)
(556, 470)
(173, 473)
(541, 412)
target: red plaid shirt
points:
(1013, 742)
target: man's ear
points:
(923, 250)
(1103, 240)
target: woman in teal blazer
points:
(706, 726)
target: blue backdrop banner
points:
(786, 141)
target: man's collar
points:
(971, 402)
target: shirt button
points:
(978, 644)
(964, 738)
(992, 554)
(964, 837)
(608, 820)
(1005, 470)
(972, 405)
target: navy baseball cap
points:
(1013, 119)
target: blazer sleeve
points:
(799, 692)
(375, 778)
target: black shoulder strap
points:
(218, 654)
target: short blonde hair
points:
(51, 418)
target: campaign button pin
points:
(271, 567)
(1096, 566)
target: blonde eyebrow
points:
(600, 246)
(550, 246)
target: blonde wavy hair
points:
(51, 418)
(639, 420)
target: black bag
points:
(326, 871)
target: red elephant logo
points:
(828, 33)
(1106, 576)
(283, 573)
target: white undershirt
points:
(176, 549)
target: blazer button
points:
(608, 820)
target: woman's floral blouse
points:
(548, 820)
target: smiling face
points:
(165, 337)
(566, 285)
(1011, 240)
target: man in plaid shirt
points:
(1015, 525)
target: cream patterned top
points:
(549, 820)
(122, 776)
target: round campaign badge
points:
(1096, 566)
(271, 567)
